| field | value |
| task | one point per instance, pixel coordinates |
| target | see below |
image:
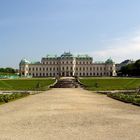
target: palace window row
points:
(83, 62)
(78, 74)
(55, 63)
(70, 68)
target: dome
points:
(66, 54)
(109, 61)
(24, 61)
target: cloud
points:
(120, 49)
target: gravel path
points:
(69, 114)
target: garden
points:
(133, 98)
(5, 98)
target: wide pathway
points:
(69, 114)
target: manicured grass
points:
(110, 83)
(26, 84)
(9, 74)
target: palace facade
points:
(67, 65)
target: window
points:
(36, 69)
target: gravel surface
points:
(69, 114)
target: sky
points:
(32, 29)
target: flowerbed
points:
(5, 98)
(128, 98)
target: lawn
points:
(110, 83)
(26, 84)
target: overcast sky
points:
(101, 28)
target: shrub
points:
(129, 98)
(8, 97)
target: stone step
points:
(66, 83)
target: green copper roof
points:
(109, 61)
(24, 61)
(66, 54)
(35, 62)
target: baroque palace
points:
(67, 65)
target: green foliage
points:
(7, 70)
(129, 98)
(111, 83)
(131, 69)
(5, 98)
(25, 84)
(96, 85)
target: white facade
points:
(67, 65)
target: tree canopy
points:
(131, 69)
(7, 70)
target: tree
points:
(7, 70)
(131, 69)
